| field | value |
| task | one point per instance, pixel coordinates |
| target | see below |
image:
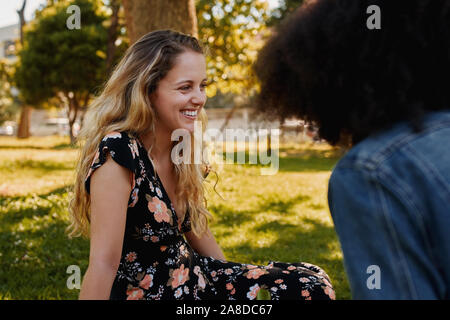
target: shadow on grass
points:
(229, 216)
(307, 161)
(61, 146)
(22, 199)
(284, 206)
(46, 165)
(7, 147)
(35, 255)
(64, 146)
(289, 164)
(308, 241)
(17, 208)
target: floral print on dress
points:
(158, 263)
(253, 292)
(178, 276)
(159, 209)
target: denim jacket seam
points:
(365, 164)
(375, 173)
(402, 139)
(398, 247)
(406, 196)
(429, 171)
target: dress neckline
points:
(163, 189)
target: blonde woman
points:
(146, 216)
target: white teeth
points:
(189, 113)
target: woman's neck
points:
(159, 144)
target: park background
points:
(49, 73)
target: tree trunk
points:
(228, 117)
(21, 13)
(72, 113)
(84, 109)
(23, 130)
(144, 16)
(70, 102)
(112, 34)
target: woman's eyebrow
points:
(190, 81)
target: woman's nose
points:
(199, 97)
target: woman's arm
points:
(109, 189)
(205, 245)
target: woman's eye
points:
(202, 86)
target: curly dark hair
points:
(324, 65)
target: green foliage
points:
(285, 8)
(233, 31)
(35, 251)
(56, 59)
(8, 104)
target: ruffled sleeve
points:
(122, 151)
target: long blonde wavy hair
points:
(124, 105)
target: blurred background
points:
(50, 70)
(49, 73)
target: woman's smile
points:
(190, 114)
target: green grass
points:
(281, 217)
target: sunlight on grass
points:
(36, 165)
(282, 217)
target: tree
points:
(144, 16)
(8, 103)
(113, 34)
(56, 61)
(285, 8)
(233, 31)
(25, 114)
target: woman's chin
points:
(190, 128)
(185, 128)
(188, 125)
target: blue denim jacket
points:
(389, 197)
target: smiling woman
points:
(149, 233)
(180, 96)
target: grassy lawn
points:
(281, 217)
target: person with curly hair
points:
(384, 93)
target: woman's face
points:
(180, 95)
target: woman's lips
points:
(190, 114)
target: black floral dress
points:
(158, 263)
